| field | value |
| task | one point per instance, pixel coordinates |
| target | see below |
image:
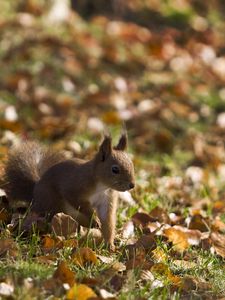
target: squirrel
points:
(50, 183)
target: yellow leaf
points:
(164, 272)
(178, 238)
(159, 255)
(83, 255)
(80, 292)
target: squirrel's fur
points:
(52, 183)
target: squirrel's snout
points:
(131, 185)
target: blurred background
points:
(70, 69)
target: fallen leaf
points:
(159, 255)
(105, 259)
(6, 290)
(64, 274)
(198, 222)
(218, 242)
(128, 230)
(147, 241)
(185, 264)
(5, 216)
(160, 215)
(218, 225)
(162, 271)
(46, 259)
(49, 243)
(141, 219)
(84, 255)
(218, 206)
(194, 283)
(178, 238)
(80, 292)
(8, 247)
(63, 225)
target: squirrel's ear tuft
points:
(105, 148)
(122, 144)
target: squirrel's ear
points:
(122, 144)
(105, 148)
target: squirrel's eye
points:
(115, 169)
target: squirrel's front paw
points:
(111, 247)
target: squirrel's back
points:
(25, 165)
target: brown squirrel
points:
(53, 184)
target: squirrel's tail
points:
(25, 165)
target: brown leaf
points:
(138, 262)
(63, 225)
(141, 219)
(46, 259)
(84, 255)
(198, 222)
(178, 238)
(8, 247)
(5, 216)
(194, 283)
(159, 214)
(80, 292)
(218, 225)
(64, 274)
(218, 242)
(147, 241)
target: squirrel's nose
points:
(131, 185)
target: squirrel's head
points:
(114, 168)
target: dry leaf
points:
(218, 242)
(198, 222)
(160, 215)
(159, 255)
(185, 264)
(64, 274)
(63, 225)
(49, 243)
(47, 259)
(84, 255)
(147, 241)
(194, 283)
(141, 219)
(162, 271)
(6, 290)
(128, 230)
(80, 292)
(178, 238)
(218, 225)
(8, 247)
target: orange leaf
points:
(163, 271)
(80, 292)
(84, 255)
(178, 238)
(50, 244)
(64, 274)
(8, 246)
